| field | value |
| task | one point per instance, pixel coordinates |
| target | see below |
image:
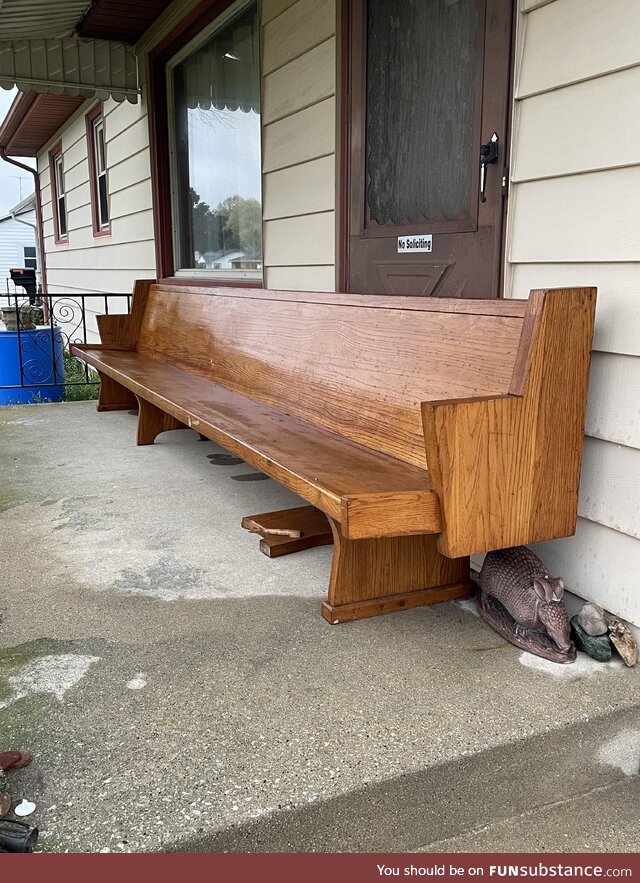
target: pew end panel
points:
(506, 468)
(120, 331)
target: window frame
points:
(30, 258)
(56, 160)
(195, 29)
(95, 118)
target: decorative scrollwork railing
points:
(34, 349)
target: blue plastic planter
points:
(38, 355)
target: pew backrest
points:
(360, 367)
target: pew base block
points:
(336, 614)
(379, 575)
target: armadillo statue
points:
(520, 599)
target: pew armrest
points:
(507, 469)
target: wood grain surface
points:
(374, 576)
(359, 371)
(152, 421)
(321, 467)
(113, 396)
(424, 429)
(507, 469)
(290, 530)
(121, 331)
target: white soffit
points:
(72, 66)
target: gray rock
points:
(591, 618)
(596, 646)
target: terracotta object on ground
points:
(10, 760)
(15, 760)
(522, 601)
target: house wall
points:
(104, 263)
(573, 220)
(14, 237)
(298, 113)
(299, 143)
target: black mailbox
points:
(26, 277)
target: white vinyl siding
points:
(573, 220)
(14, 238)
(299, 163)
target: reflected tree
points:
(235, 224)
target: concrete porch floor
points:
(180, 691)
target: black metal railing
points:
(35, 358)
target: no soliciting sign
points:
(415, 243)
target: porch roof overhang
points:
(67, 65)
(33, 119)
(59, 53)
(44, 50)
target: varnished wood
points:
(425, 430)
(513, 307)
(395, 603)
(152, 421)
(294, 523)
(321, 467)
(360, 371)
(507, 469)
(389, 515)
(290, 530)
(391, 573)
(113, 396)
(120, 331)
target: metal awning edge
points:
(71, 66)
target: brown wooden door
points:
(428, 85)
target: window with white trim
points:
(60, 198)
(100, 173)
(30, 259)
(214, 115)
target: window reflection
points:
(218, 181)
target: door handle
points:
(488, 155)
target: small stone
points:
(597, 647)
(623, 641)
(591, 619)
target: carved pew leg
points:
(113, 396)
(152, 421)
(370, 577)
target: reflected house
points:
(217, 260)
(247, 262)
(295, 144)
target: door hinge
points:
(505, 181)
